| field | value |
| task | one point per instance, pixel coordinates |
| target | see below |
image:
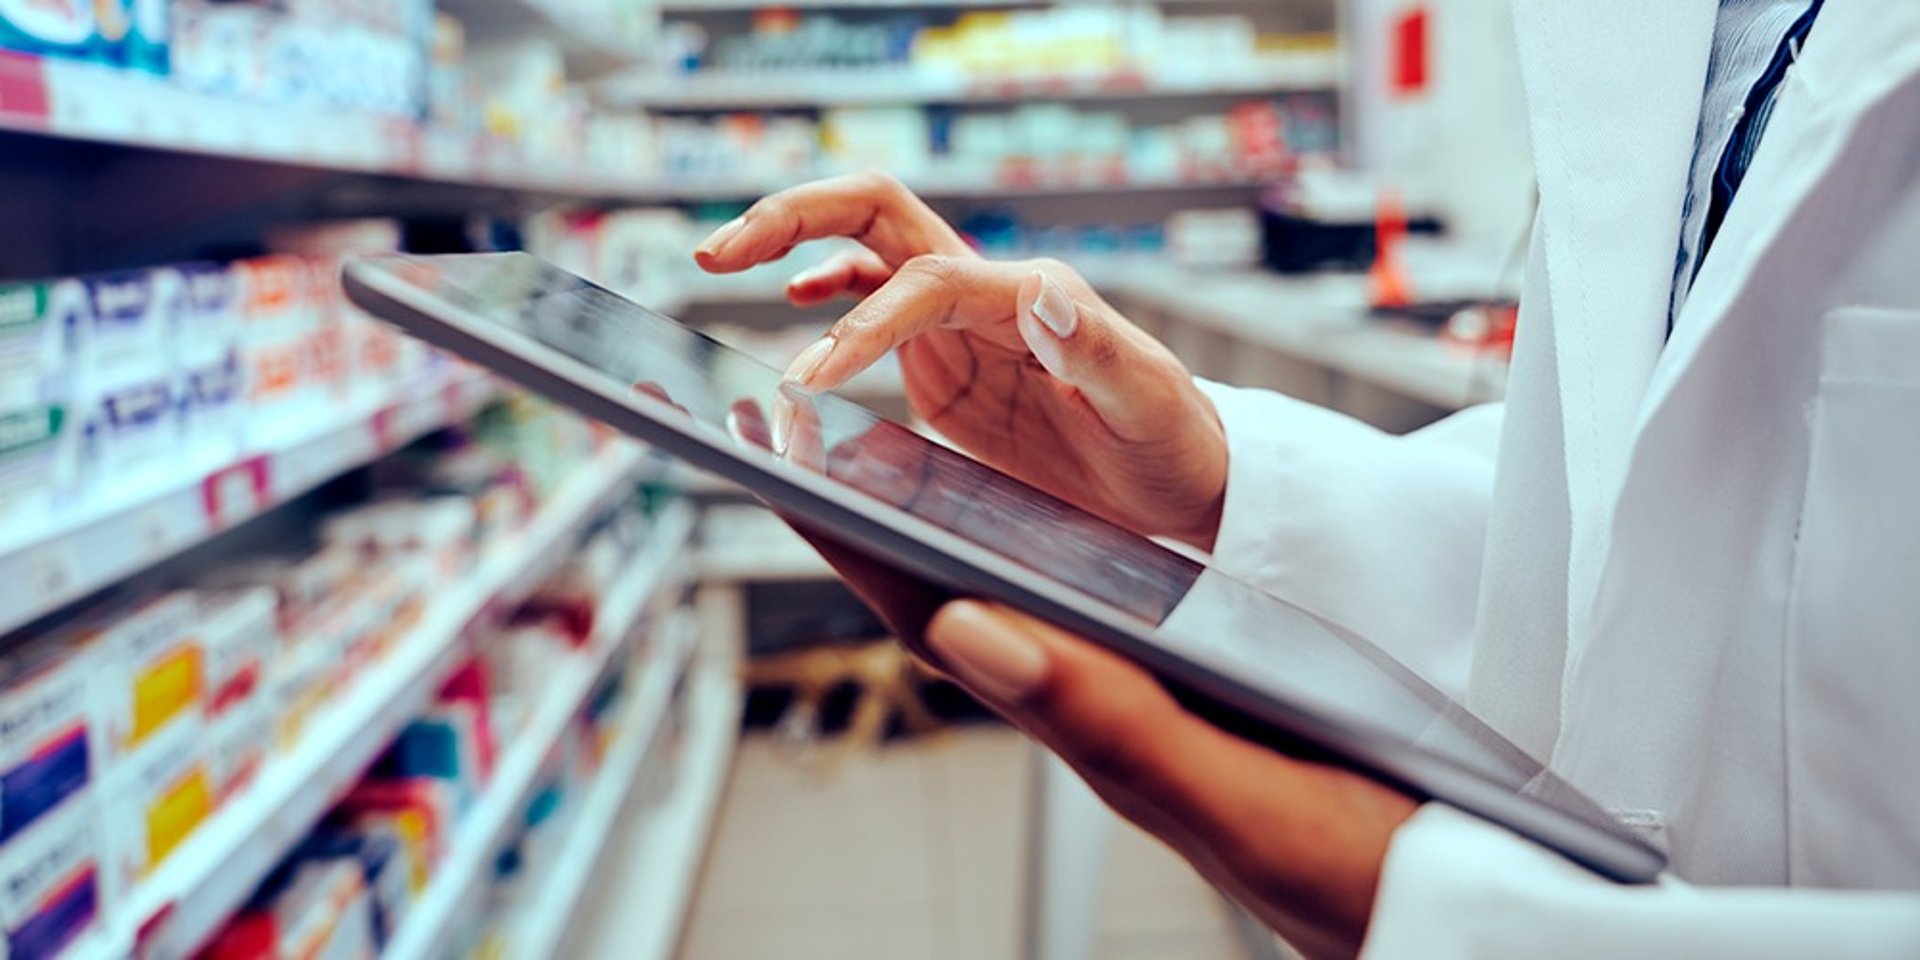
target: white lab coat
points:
(1685, 572)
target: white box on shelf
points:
(47, 715)
(240, 636)
(147, 670)
(205, 337)
(38, 427)
(154, 800)
(51, 883)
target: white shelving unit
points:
(722, 90)
(662, 853)
(78, 101)
(591, 43)
(178, 909)
(136, 525)
(549, 916)
(428, 928)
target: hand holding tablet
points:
(1260, 674)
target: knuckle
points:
(882, 183)
(1053, 267)
(932, 268)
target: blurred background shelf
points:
(131, 526)
(178, 909)
(456, 894)
(551, 917)
(773, 90)
(596, 40)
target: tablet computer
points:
(1247, 661)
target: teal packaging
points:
(147, 46)
(61, 28)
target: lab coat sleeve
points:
(1380, 533)
(1456, 887)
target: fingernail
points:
(1055, 308)
(1045, 346)
(781, 426)
(719, 238)
(811, 275)
(995, 659)
(808, 362)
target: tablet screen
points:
(1191, 611)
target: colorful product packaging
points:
(148, 46)
(156, 798)
(129, 416)
(38, 449)
(277, 328)
(325, 913)
(60, 28)
(50, 881)
(210, 379)
(148, 671)
(46, 719)
(240, 636)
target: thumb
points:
(1086, 348)
(1109, 719)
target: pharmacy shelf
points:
(591, 44)
(92, 103)
(549, 916)
(669, 845)
(181, 906)
(87, 102)
(722, 90)
(137, 525)
(987, 185)
(459, 883)
(1323, 321)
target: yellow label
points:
(164, 690)
(176, 813)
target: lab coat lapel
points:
(1858, 46)
(1614, 90)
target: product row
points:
(107, 381)
(1044, 144)
(1070, 39)
(642, 253)
(124, 732)
(346, 889)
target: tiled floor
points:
(915, 853)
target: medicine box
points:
(210, 385)
(38, 449)
(51, 889)
(123, 337)
(240, 636)
(276, 327)
(148, 670)
(46, 718)
(155, 799)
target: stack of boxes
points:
(107, 381)
(361, 55)
(123, 733)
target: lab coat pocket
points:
(1853, 655)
